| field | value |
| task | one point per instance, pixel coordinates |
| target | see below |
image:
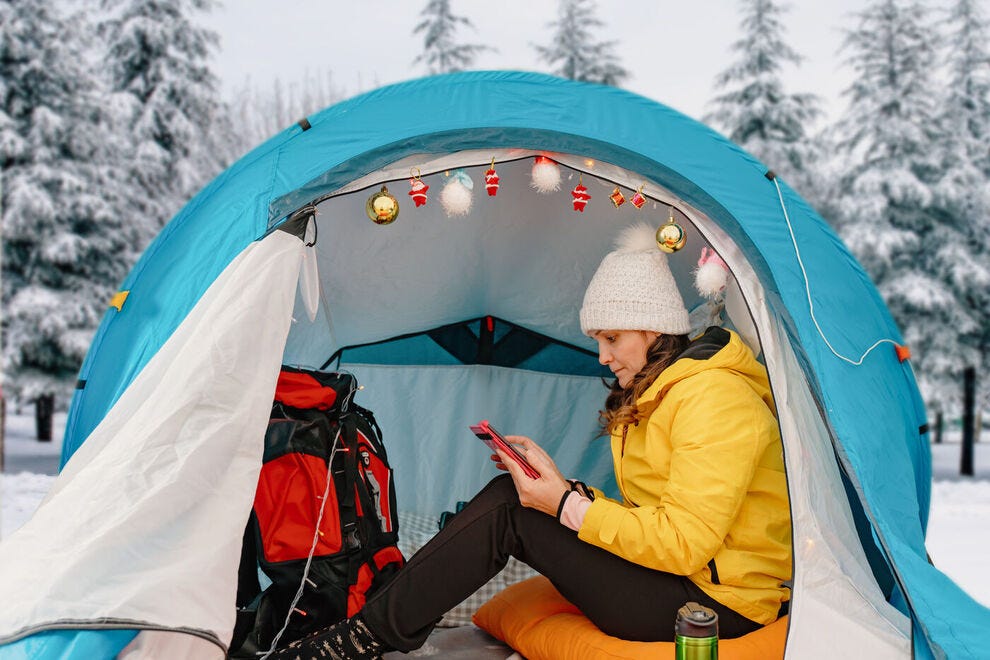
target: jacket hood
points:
(717, 348)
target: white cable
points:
(807, 288)
(312, 550)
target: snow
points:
(958, 527)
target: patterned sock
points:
(350, 639)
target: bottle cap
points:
(694, 620)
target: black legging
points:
(623, 599)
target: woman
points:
(698, 459)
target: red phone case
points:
(494, 440)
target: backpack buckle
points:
(351, 540)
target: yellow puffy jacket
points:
(702, 481)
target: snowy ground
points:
(958, 529)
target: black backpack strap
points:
(369, 417)
(248, 585)
(347, 477)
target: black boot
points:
(350, 639)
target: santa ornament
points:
(417, 189)
(456, 197)
(580, 195)
(491, 180)
(545, 175)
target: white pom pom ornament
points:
(711, 275)
(456, 196)
(545, 176)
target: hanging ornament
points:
(580, 195)
(617, 198)
(456, 195)
(711, 274)
(491, 180)
(545, 176)
(671, 236)
(638, 200)
(417, 189)
(382, 207)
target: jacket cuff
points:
(572, 510)
(601, 522)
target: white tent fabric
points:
(174, 463)
(503, 247)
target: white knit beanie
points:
(633, 289)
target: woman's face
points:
(624, 351)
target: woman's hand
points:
(542, 494)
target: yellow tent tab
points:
(118, 299)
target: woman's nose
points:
(604, 357)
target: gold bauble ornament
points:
(382, 207)
(671, 236)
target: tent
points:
(449, 319)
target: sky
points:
(674, 50)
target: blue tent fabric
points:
(68, 645)
(874, 410)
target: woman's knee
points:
(499, 489)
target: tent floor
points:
(462, 643)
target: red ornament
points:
(638, 200)
(581, 197)
(617, 198)
(491, 181)
(418, 191)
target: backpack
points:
(349, 543)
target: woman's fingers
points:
(536, 455)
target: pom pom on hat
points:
(633, 289)
(638, 237)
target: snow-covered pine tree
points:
(157, 59)
(65, 244)
(441, 52)
(574, 53)
(756, 112)
(889, 213)
(964, 189)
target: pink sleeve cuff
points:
(574, 509)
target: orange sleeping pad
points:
(533, 618)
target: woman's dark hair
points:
(620, 405)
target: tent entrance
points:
(526, 257)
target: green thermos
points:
(696, 633)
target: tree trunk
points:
(44, 407)
(3, 425)
(969, 403)
(939, 425)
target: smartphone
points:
(496, 440)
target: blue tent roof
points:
(874, 409)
